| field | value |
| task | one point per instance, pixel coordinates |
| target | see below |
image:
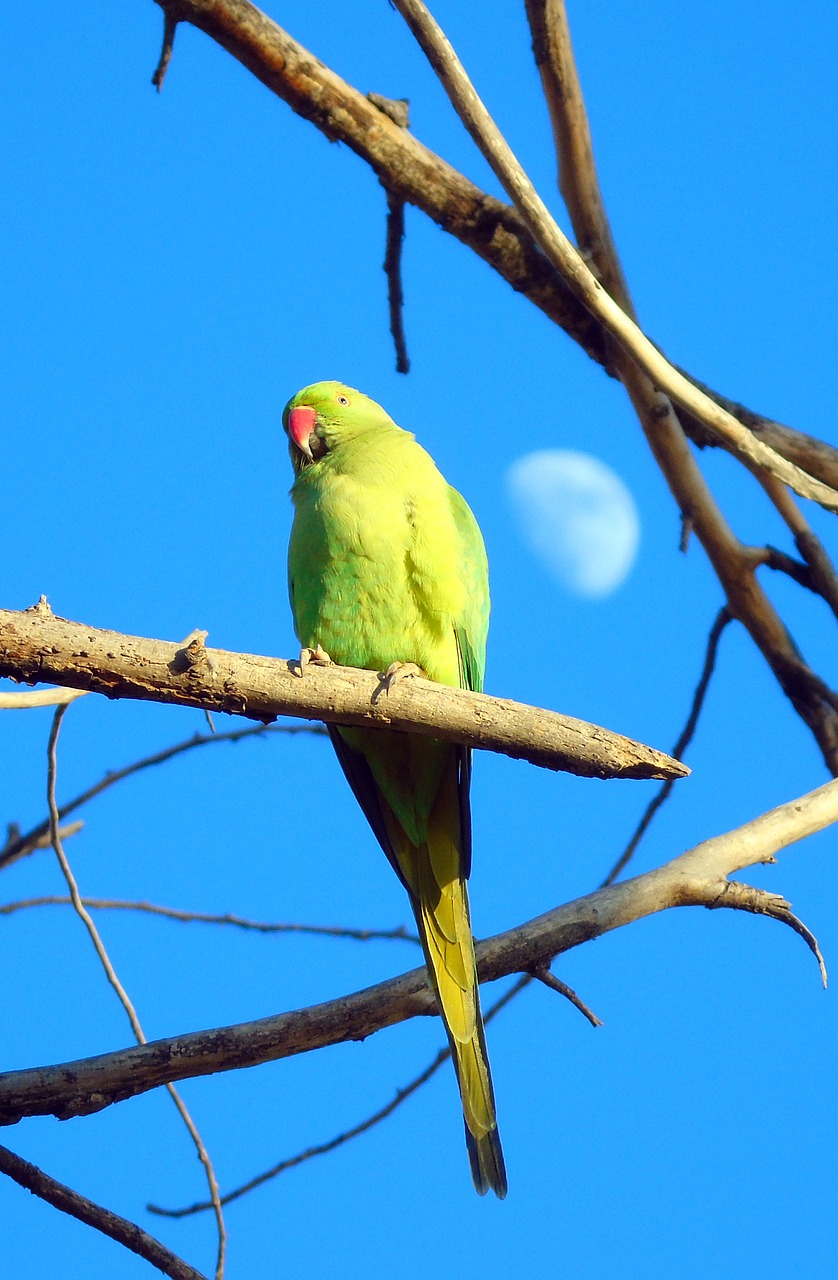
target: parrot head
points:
(322, 417)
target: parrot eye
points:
(344, 400)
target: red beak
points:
(301, 424)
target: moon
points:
(578, 517)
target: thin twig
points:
(745, 897)
(543, 974)
(822, 577)
(125, 1232)
(27, 698)
(782, 562)
(399, 934)
(20, 846)
(169, 29)
(363, 1127)
(122, 994)
(43, 842)
(685, 737)
(393, 270)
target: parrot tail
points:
(442, 915)
(485, 1153)
(432, 866)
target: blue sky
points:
(174, 268)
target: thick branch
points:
(37, 646)
(696, 878)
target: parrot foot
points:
(319, 657)
(400, 671)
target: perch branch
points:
(698, 877)
(36, 644)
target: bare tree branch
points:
(492, 229)
(363, 1127)
(120, 666)
(684, 739)
(698, 877)
(818, 457)
(575, 271)
(40, 840)
(122, 994)
(821, 577)
(734, 564)
(399, 934)
(39, 698)
(550, 980)
(169, 29)
(122, 1230)
(393, 270)
(19, 846)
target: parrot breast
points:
(374, 566)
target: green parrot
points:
(386, 567)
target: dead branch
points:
(684, 739)
(405, 167)
(169, 29)
(113, 979)
(575, 272)
(399, 934)
(735, 565)
(19, 846)
(341, 1139)
(809, 453)
(36, 645)
(393, 271)
(39, 698)
(819, 573)
(125, 1232)
(550, 980)
(36, 840)
(698, 877)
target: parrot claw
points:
(318, 656)
(400, 671)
